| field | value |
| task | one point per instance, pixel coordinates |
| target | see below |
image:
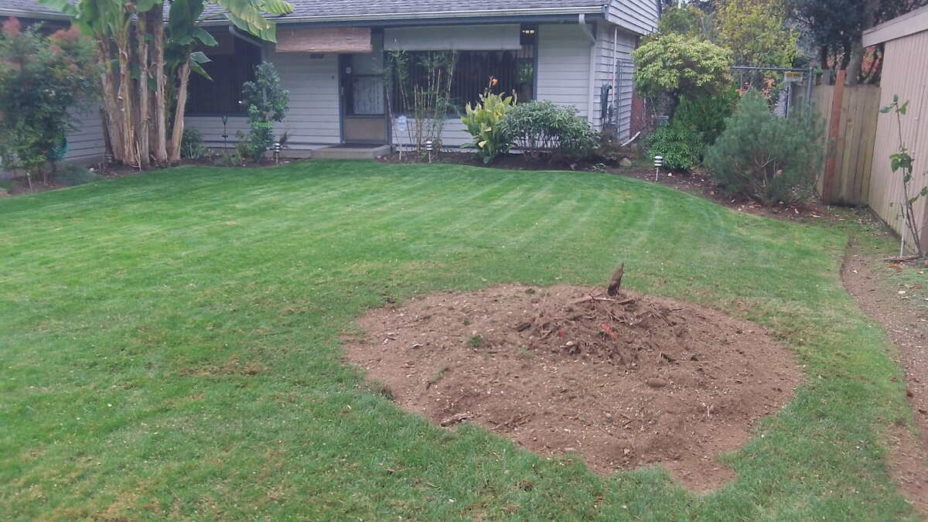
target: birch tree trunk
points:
(124, 97)
(142, 130)
(177, 132)
(160, 128)
(110, 102)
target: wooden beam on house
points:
(324, 40)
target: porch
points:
(338, 95)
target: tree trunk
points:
(130, 156)
(142, 129)
(160, 129)
(857, 48)
(110, 102)
(177, 133)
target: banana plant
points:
(148, 53)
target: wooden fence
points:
(850, 115)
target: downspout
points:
(591, 81)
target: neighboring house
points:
(330, 55)
(905, 73)
(85, 141)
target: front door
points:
(364, 118)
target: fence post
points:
(834, 131)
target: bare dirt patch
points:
(907, 326)
(625, 381)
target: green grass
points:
(169, 346)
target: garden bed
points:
(628, 381)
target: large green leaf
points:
(276, 7)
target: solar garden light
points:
(428, 148)
(658, 163)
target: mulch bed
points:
(625, 381)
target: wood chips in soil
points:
(626, 382)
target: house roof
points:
(29, 9)
(899, 27)
(321, 11)
(374, 12)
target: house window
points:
(514, 71)
(233, 63)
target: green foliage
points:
(696, 124)
(41, 78)
(191, 145)
(706, 114)
(836, 26)
(540, 128)
(758, 32)
(483, 121)
(71, 175)
(266, 102)
(424, 97)
(687, 20)
(764, 157)
(681, 146)
(680, 66)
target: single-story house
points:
(330, 56)
(905, 74)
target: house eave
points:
(899, 27)
(437, 18)
(34, 15)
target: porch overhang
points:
(473, 17)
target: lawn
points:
(170, 346)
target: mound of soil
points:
(627, 381)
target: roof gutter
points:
(379, 19)
(245, 37)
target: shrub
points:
(766, 158)
(678, 66)
(41, 77)
(540, 128)
(706, 115)
(680, 146)
(266, 102)
(191, 145)
(71, 175)
(483, 122)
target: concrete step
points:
(358, 152)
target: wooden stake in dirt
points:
(616, 281)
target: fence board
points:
(849, 149)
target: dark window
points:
(513, 70)
(233, 63)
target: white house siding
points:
(563, 73)
(454, 133)
(313, 117)
(85, 140)
(637, 16)
(614, 49)
(210, 129)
